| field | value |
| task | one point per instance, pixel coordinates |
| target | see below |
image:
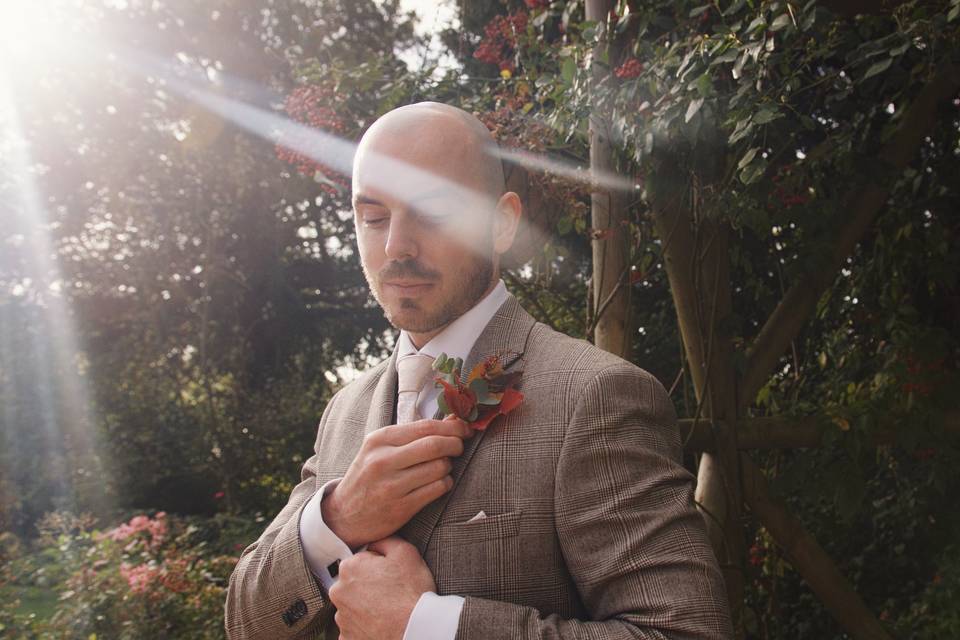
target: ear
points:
(506, 221)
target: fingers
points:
(406, 480)
(400, 434)
(427, 448)
(422, 496)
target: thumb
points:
(390, 545)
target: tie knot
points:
(412, 372)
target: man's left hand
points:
(377, 590)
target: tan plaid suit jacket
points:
(591, 529)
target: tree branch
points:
(788, 318)
(786, 433)
(808, 557)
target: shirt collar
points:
(457, 338)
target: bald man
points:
(571, 517)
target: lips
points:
(409, 288)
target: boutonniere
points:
(488, 391)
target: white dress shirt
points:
(434, 617)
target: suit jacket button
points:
(299, 609)
(294, 612)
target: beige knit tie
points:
(412, 372)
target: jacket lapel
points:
(505, 336)
(384, 397)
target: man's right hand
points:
(398, 471)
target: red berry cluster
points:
(312, 105)
(923, 376)
(537, 4)
(548, 194)
(629, 69)
(499, 44)
(785, 199)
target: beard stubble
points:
(469, 285)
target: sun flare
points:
(35, 32)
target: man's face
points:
(425, 241)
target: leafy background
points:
(179, 296)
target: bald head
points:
(431, 134)
(431, 214)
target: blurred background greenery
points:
(180, 296)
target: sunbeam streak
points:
(600, 180)
(338, 154)
(50, 376)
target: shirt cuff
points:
(434, 618)
(321, 546)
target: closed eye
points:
(373, 217)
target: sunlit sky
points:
(29, 28)
(434, 16)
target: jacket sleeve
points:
(272, 592)
(631, 537)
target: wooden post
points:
(608, 215)
(695, 255)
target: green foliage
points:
(187, 336)
(772, 117)
(150, 577)
(210, 346)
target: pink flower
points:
(155, 530)
(139, 577)
(218, 495)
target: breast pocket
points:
(480, 557)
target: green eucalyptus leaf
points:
(782, 22)
(479, 387)
(759, 23)
(878, 67)
(747, 157)
(766, 114)
(568, 70)
(744, 128)
(899, 51)
(491, 400)
(753, 172)
(693, 108)
(729, 55)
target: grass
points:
(40, 601)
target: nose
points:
(402, 240)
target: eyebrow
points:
(440, 191)
(362, 199)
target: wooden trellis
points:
(696, 257)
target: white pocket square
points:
(480, 516)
